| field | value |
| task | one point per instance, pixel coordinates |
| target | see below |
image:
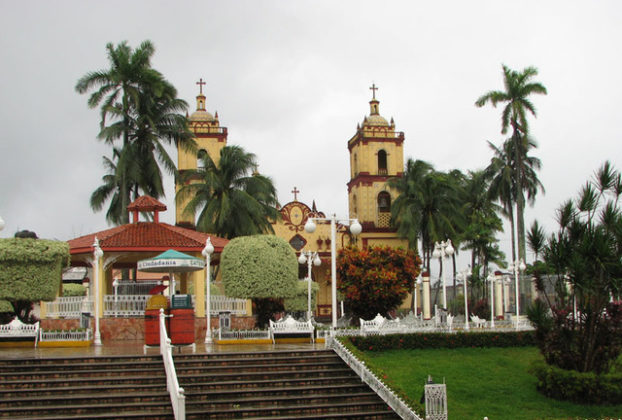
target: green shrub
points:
(72, 289)
(299, 302)
(579, 387)
(444, 340)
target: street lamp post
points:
(355, 229)
(464, 276)
(207, 253)
(491, 280)
(309, 258)
(97, 254)
(442, 250)
(417, 284)
(517, 266)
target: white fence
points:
(221, 303)
(128, 306)
(125, 305)
(242, 334)
(67, 307)
(51, 335)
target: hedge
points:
(300, 301)
(444, 340)
(579, 387)
(31, 268)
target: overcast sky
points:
(290, 80)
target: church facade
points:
(375, 154)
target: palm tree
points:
(518, 88)
(231, 200)
(139, 107)
(110, 189)
(536, 239)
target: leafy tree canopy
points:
(376, 279)
(260, 266)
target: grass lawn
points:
(492, 382)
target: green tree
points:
(377, 279)
(536, 239)
(585, 253)
(231, 200)
(31, 271)
(140, 108)
(260, 267)
(425, 207)
(518, 88)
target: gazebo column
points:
(183, 283)
(198, 279)
(498, 295)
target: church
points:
(376, 154)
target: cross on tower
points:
(201, 83)
(295, 192)
(373, 88)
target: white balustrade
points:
(220, 303)
(67, 307)
(395, 402)
(178, 398)
(51, 335)
(125, 305)
(243, 334)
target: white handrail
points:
(178, 398)
(384, 392)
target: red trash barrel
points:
(182, 326)
(152, 326)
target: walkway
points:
(126, 348)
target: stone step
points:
(237, 386)
(112, 396)
(74, 382)
(86, 410)
(92, 373)
(41, 390)
(79, 366)
(246, 376)
(255, 354)
(79, 359)
(293, 411)
(110, 415)
(200, 394)
(251, 368)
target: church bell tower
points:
(210, 137)
(376, 155)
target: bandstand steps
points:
(305, 384)
(298, 384)
(84, 388)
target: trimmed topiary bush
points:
(72, 289)
(300, 301)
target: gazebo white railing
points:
(125, 305)
(68, 307)
(220, 303)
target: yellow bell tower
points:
(210, 137)
(376, 154)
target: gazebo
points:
(121, 247)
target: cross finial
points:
(295, 192)
(201, 83)
(373, 88)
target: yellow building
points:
(376, 154)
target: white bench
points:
(373, 325)
(16, 329)
(478, 322)
(289, 326)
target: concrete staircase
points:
(302, 384)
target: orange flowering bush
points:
(375, 279)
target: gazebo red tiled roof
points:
(146, 236)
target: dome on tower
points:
(376, 120)
(201, 115)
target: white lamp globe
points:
(310, 226)
(355, 227)
(302, 259)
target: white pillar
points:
(425, 296)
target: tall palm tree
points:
(110, 190)
(518, 87)
(231, 200)
(536, 239)
(140, 108)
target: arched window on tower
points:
(201, 154)
(382, 162)
(356, 165)
(384, 209)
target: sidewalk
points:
(128, 348)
